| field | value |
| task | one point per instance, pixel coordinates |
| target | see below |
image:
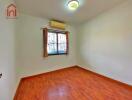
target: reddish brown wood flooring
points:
(72, 84)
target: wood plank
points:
(74, 83)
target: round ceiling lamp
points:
(73, 4)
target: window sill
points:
(57, 54)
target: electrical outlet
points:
(0, 75)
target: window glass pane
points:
(52, 43)
(61, 43)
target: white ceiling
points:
(56, 9)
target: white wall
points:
(105, 43)
(7, 55)
(30, 59)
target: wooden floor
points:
(72, 84)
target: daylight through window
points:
(57, 42)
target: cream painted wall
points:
(7, 53)
(30, 59)
(105, 43)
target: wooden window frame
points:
(45, 41)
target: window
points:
(55, 42)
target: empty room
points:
(65, 49)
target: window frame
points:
(56, 32)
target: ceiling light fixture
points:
(73, 4)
